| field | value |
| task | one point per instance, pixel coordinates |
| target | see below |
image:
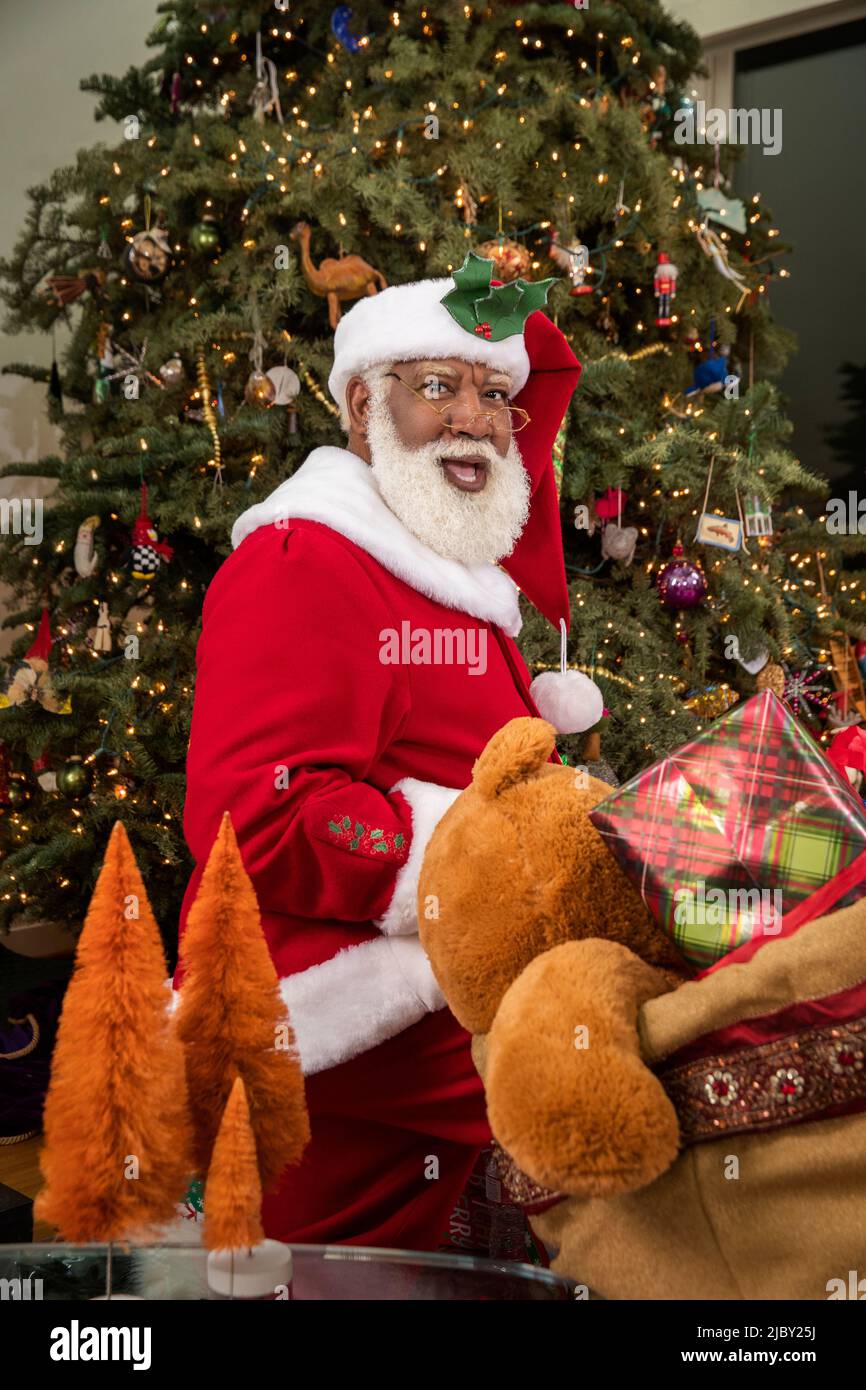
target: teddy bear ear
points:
(513, 754)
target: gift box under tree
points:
(744, 833)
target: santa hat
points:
(474, 318)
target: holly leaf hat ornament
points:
(490, 311)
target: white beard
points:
(474, 528)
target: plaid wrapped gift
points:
(743, 834)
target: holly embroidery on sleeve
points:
(368, 839)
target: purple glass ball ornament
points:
(681, 584)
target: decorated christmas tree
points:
(268, 168)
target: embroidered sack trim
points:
(801, 1077)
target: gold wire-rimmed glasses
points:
(518, 418)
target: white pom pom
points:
(568, 700)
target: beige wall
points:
(46, 47)
(712, 18)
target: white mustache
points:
(465, 448)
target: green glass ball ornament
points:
(19, 790)
(74, 779)
(205, 237)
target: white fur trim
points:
(335, 486)
(358, 999)
(407, 322)
(568, 700)
(429, 803)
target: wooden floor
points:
(19, 1169)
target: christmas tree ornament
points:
(758, 517)
(285, 383)
(618, 543)
(681, 584)
(19, 790)
(148, 552)
(207, 410)
(510, 259)
(657, 106)
(712, 701)
(573, 258)
(665, 288)
(43, 771)
(715, 530)
(567, 699)
(341, 18)
(84, 555)
(103, 250)
(710, 375)
(772, 677)
(265, 96)
(55, 386)
(127, 364)
(713, 247)
(30, 678)
(65, 289)
(723, 531)
(74, 778)
(464, 200)
(205, 237)
(260, 390)
(99, 637)
(755, 663)
(730, 213)
(336, 280)
(171, 373)
(148, 257)
(805, 691)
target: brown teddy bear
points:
(652, 1125)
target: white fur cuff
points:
(358, 999)
(429, 803)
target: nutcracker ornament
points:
(148, 552)
(665, 288)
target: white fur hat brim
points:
(405, 323)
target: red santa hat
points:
(477, 319)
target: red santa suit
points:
(336, 761)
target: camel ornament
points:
(348, 277)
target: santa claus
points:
(376, 592)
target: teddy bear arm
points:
(569, 1095)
